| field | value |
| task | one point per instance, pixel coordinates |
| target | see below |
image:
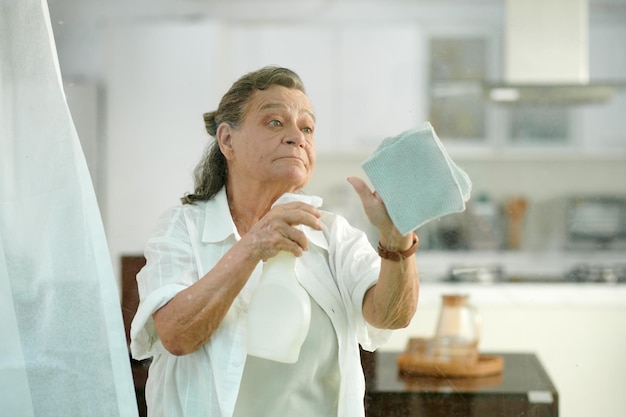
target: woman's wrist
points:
(395, 241)
(401, 250)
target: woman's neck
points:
(249, 204)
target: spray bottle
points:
(280, 309)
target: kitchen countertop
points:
(601, 295)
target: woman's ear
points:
(224, 139)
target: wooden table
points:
(522, 389)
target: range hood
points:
(546, 55)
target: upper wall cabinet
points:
(378, 85)
(367, 81)
(362, 81)
(462, 63)
(457, 70)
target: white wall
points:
(154, 127)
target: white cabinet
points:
(367, 82)
(601, 125)
(362, 81)
(467, 121)
(379, 85)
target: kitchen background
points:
(549, 179)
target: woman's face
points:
(274, 146)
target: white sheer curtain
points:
(62, 345)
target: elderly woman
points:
(205, 257)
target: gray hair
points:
(211, 173)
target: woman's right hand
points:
(278, 230)
(189, 319)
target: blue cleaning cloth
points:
(416, 179)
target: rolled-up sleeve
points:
(170, 268)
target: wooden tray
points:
(421, 383)
(411, 364)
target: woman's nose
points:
(295, 136)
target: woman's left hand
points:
(377, 213)
(391, 302)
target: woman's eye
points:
(275, 123)
(307, 130)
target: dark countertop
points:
(523, 388)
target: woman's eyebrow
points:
(270, 106)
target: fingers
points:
(368, 197)
(298, 213)
(290, 217)
(360, 187)
(279, 229)
(372, 204)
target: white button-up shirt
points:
(337, 270)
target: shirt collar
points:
(316, 237)
(218, 223)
